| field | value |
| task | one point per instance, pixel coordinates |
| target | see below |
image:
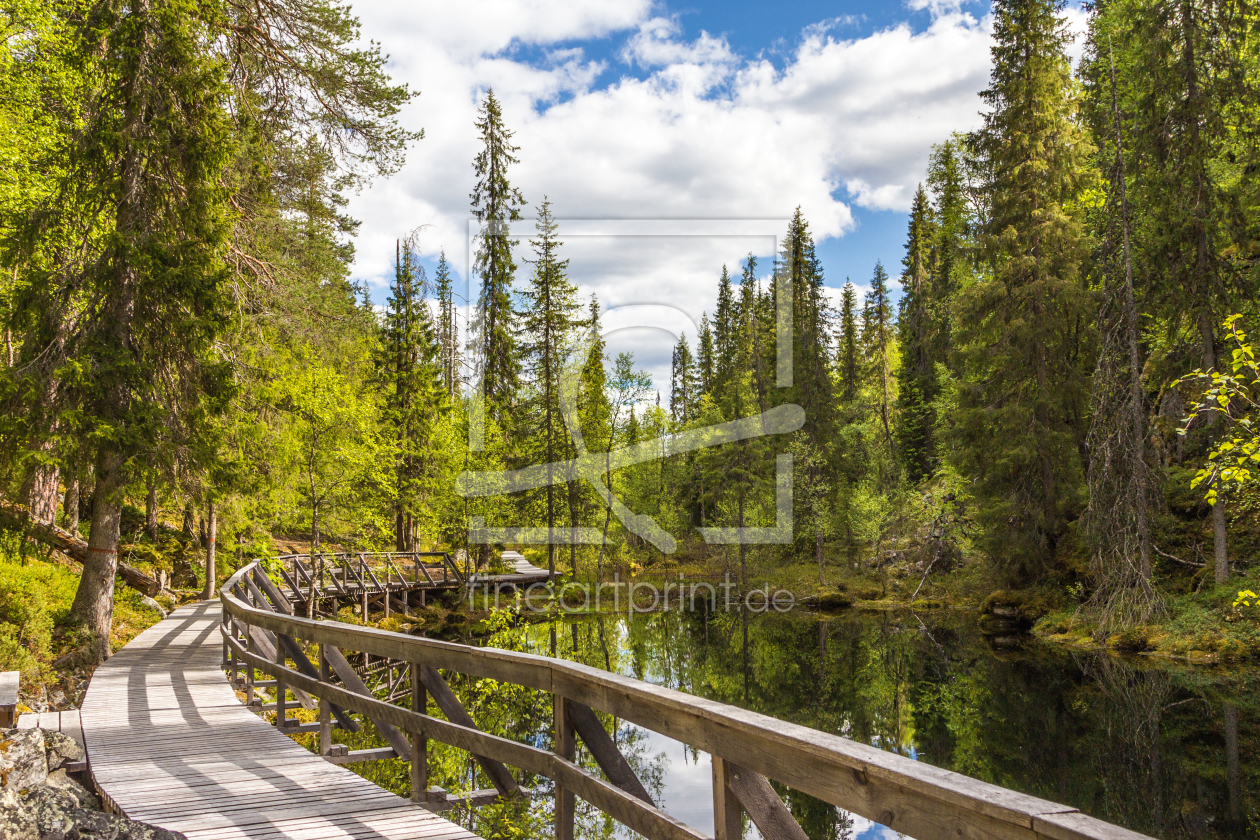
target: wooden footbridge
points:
(170, 742)
(321, 584)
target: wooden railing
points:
(747, 749)
(386, 577)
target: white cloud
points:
(705, 134)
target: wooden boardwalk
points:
(170, 744)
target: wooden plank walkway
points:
(170, 744)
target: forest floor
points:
(36, 590)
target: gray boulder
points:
(84, 797)
(23, 763)
(16, 822)
(58, 816)
(61, 748)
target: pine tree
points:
(877, 347)
(548, 323)
(1022, 330)
(847, 357)
(142, 212)
(495, 205)
(917, 327)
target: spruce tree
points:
(725, 330)
(683, 383)
(847, 355)
(917, 327)
(877, 347)
(409, 367)
(705, 354)
(448, 327)
(548, 323)
(495, 205)
(1022, 330)
(1186, 79)
(811, 327)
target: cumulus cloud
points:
(702, 134)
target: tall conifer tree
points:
(847, 352)
(495, 205)
(877, 344)
(549, 322)
(1022, 330)
(917, 328)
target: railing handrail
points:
(915, 798)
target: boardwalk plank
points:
(170, 743)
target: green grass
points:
(35, 597)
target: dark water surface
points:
(1171, 751)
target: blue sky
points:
(645, 110)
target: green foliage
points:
(1229, 395)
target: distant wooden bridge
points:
(170, 743)
(320, 584)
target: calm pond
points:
(1167, 750)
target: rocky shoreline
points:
(39, 800)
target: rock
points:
(16, 822)
(58, 816)
(833, 600)
(153, 605)
(86, 799)
(22, 761)
(60, 749)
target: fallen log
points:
(74, 546)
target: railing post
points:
(280, 688)
(728, 822)
(249, 668)
(325, 712)
(565, 749)
(419, 743)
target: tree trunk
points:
(70, 506)
(41, 492)
(212, 530)
(94, 601)
(818, 554)
(150, 509)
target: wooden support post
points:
(280, 689)
(565, 748)
(365, 605)
(764, 807)
(419, 744)
(455, 712)
(249, 669)
(728, 823)
(325, 710)
(605, 752)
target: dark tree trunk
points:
(41, 492)
(94, 601)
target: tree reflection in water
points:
(1167, 750)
